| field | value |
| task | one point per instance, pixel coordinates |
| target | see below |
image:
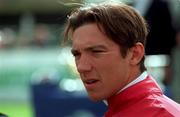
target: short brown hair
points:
(120, 22)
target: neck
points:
(139, 78)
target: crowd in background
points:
(164, 38)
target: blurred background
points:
(38, 77)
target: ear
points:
(137, 53)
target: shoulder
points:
(151, 106)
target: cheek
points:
(114, 75)
(112, 67)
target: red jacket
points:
(144, 99)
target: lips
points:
(90, 83)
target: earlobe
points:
(137, 53)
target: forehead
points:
(90, 35)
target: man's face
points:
(101, 67)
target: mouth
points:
(90, 83)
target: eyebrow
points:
(89, 48)
(95, 47)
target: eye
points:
(97, 51)
(75, 53)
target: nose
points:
(83, 64)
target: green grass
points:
(15, 109)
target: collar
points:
(134, 93)
(137, 96)
(138, 79)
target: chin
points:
(95, 98)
